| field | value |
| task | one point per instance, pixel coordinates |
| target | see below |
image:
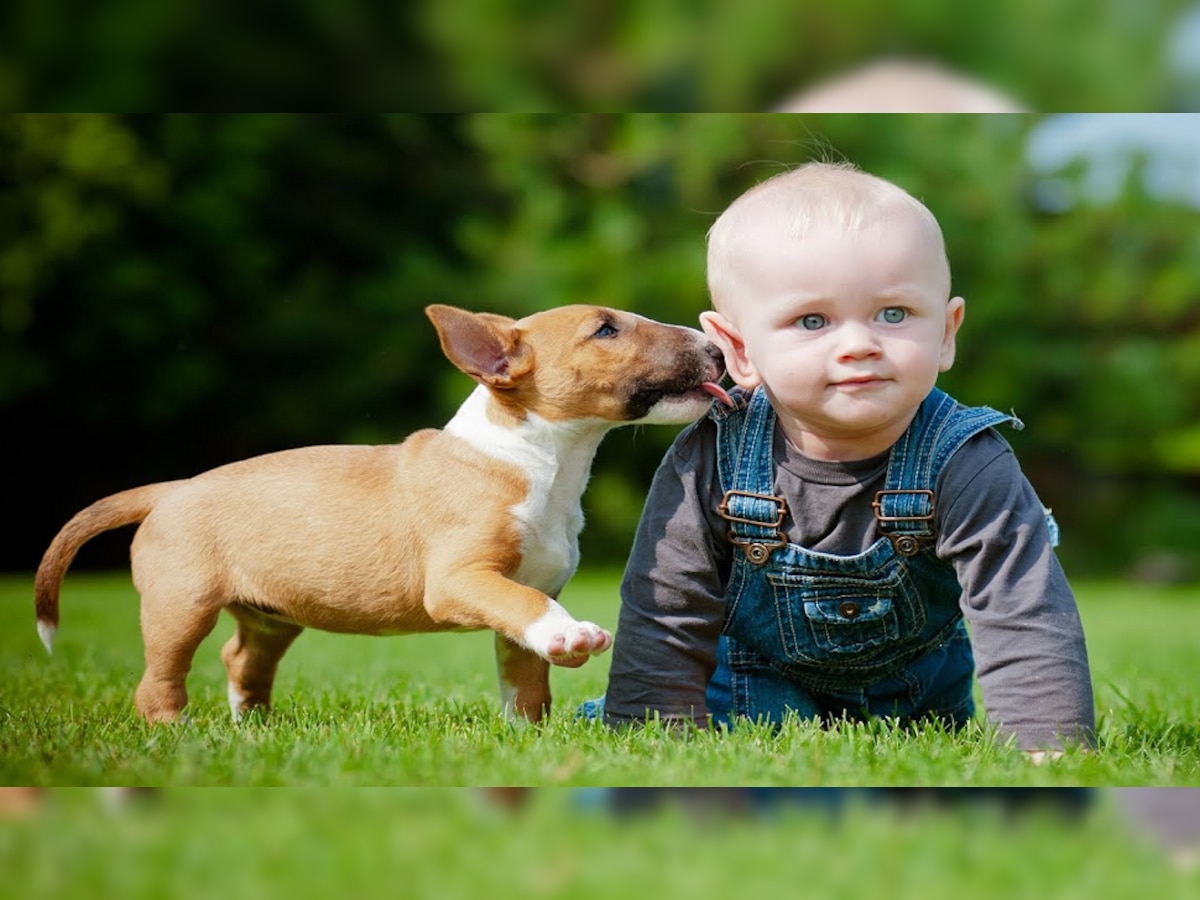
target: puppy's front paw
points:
(564, 641)
(573, 648)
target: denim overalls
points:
(879, 633)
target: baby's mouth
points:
(863, 381)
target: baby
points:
(820, 546)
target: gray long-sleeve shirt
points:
(1025, 630)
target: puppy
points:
(471, 527)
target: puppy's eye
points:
(606, 330)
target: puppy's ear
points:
(485, 346)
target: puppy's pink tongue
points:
(717, 391)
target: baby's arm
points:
(1026, 634)
(671, 596)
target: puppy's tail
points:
(126, 508)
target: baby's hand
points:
(1037, 757)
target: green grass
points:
(448, 844)
(423, 710)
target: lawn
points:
(423, 711)
(449, 844)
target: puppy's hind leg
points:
(524, 681)
(252, 657)
(172, 629)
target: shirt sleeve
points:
(1026, 633)
(672, 594)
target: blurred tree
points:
(586, 55)
(728, 55)
(139, 54)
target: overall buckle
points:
(757, 550)
(906, 543)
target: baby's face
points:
(847, 333)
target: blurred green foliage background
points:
(596, 55)
(178, 291)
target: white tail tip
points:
(46, 632)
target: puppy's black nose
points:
(715, 353)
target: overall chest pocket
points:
(846, 619)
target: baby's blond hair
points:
(816, 194)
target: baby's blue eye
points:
(893, 315)
(812, 322)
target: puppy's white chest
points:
(556, 459)
(550, 529)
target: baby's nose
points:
(856, 340)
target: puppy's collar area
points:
(530, 442)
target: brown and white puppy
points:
(470, 527)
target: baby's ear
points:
(954, 319)
(725, 335)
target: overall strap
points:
(905, 508)
(745, 466)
